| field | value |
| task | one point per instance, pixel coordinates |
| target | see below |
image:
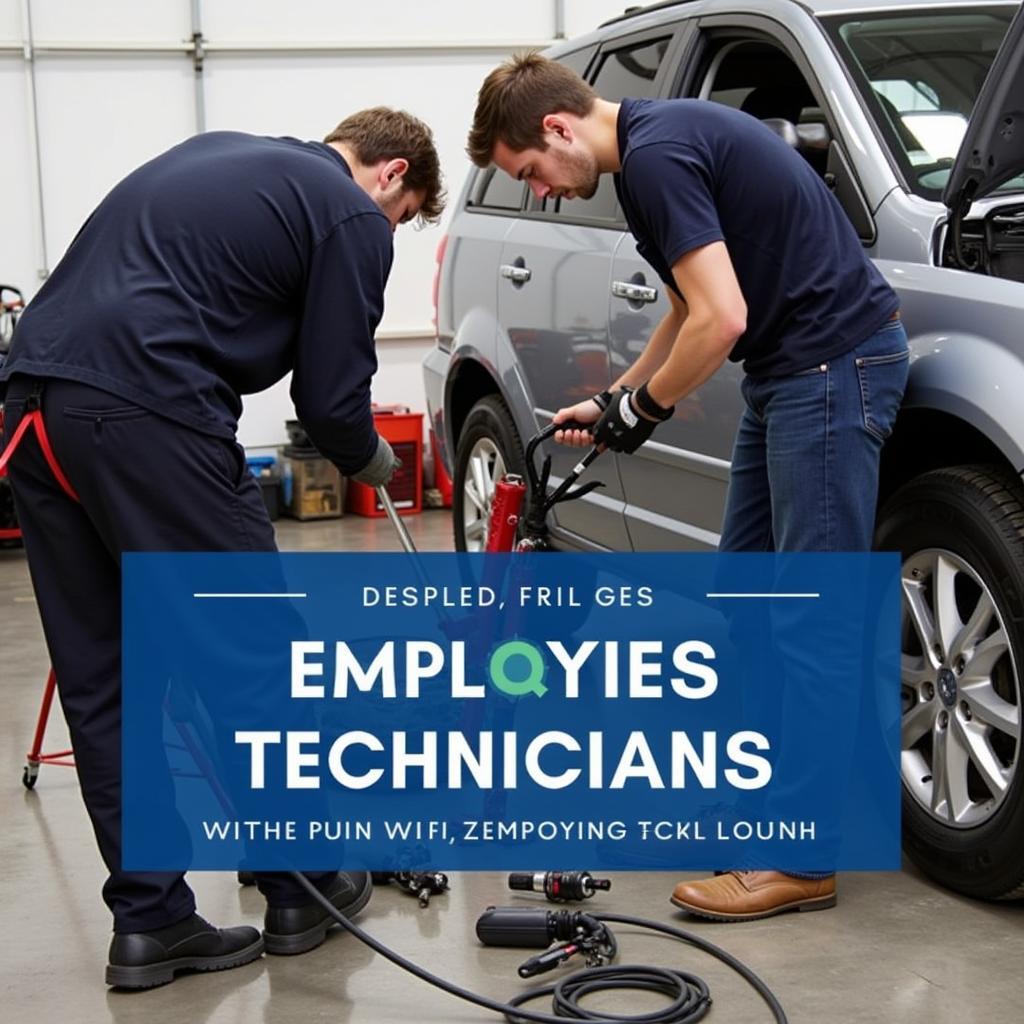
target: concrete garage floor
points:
(897, 948)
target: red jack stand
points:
(35, 756)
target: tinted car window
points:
(578, 60)
(626, 71)
(500, 191)
(631, 70)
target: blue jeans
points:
(805, 463)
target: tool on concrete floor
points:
(559, 886)
(577, 934)
(421, 884)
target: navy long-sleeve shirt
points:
(209, 273)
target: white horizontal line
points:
(762, 595)
(249, 595)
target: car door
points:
(553, 299)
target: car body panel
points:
(675, 484)
(555, 330)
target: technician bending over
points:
(208, 273)
(762, 266)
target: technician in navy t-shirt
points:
(207, 274)
(761, 266)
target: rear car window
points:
(632, 71)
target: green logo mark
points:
(517, 668)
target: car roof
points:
(814, 6)
(667, 10)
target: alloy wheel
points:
(961, 692)
(486, 466)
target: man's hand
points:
(381, 468)
(583, 412)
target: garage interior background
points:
(90, 91)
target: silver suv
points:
(543, 303)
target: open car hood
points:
(992, 151)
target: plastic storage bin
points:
(264, 469)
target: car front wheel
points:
(488, 448)
(961, 534)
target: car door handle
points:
(632, 292)
(517, 275)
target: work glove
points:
(381, 467)
(621, 428)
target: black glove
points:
(621, 428)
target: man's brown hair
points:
(516, 97)
(381, 133)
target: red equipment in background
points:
(403, 430)
(35, 757)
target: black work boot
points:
(291, 930)
(147, 959)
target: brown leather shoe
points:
(748, 895)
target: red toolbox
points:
(403, 430)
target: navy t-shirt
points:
(695, 172)
(209, 273)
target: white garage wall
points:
(326, 21)
(99, 119)
(19, 255)
(114, 84)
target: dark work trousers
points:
(146, 483)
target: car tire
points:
(489, 446)
(961, 534)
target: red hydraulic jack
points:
(505, 517)
(511, 490)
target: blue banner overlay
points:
(388, 711)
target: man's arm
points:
(335, 357)
(654, 354)
(717, 317)
(658, 346)
(691, 342)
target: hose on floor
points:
(691, 999)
